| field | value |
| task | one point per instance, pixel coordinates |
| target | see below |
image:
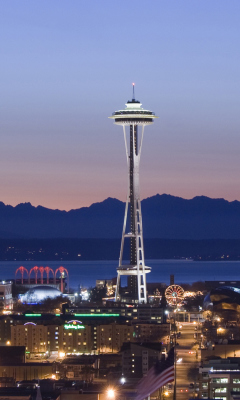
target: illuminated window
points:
(220, 380)
(221, 390)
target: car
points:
(191, 352)
(169, 387)
(191, 386)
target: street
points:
(187, 351)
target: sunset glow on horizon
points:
(66, 67)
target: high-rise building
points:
(134, 117)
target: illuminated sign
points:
(33, 315)
(97, 315)
(74, 325)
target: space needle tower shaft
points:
(134, 117)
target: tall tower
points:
(133, 116)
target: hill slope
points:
(164, 216)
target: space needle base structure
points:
(134, 117)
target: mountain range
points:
(164, 216)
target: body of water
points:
(85, 273)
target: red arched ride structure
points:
(41, 270)
(47, 269)
(21, 270)
(35, 269)
(61, 270)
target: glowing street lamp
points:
(111, 393)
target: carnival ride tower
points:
(135, 117)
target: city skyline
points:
(66, 67)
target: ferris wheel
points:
(174, 295)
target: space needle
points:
(133, 116)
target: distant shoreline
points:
(63, 249)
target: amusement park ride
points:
(47, 280)
(174, 295)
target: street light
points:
(111, 393)
(122, 380)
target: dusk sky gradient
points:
(67, 65)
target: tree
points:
(97, 294)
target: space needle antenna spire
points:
(135, 270)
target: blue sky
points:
(66, 66)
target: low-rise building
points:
(146, 313)
(219, 379)
(138, 358)
(27, 371)
(80, 368)
(6, 300)
(224, 349)
(150, 332)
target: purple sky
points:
(67, 65)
